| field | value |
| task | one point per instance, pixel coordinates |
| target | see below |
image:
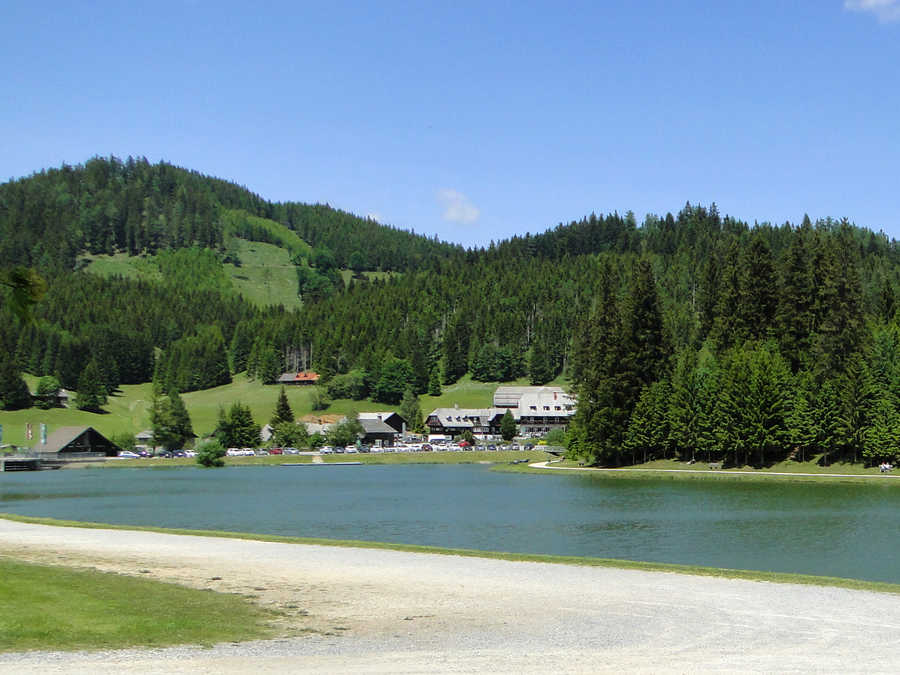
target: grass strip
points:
(48, 607)
(695, 570)
(452, 457)
(658, 473)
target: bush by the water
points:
(211, 453)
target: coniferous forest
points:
(691, 335)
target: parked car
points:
(291, 451)
(127, 454)
(276, 451)
(326, 450)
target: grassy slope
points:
(128, 410)
(289, 239)
(266, 275)
(122, 265)
(45, 607)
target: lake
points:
(827, 528)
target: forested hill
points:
(689, 332)
(108, 205)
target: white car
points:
(127, 454)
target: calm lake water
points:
(831, 529)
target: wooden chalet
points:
(303, 377)
(78, 440)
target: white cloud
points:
(457, 207)
(885, 10)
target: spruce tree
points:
(411, 411)
(540, 366)
(726, 329)
(269, 367)
(648, 433)
(645, 346)
(601, 416)
(241, 431)
(283, 412)
(858, 396)
(758, 291)
(840, 327)
(91, 390)
(804, 427)
(882, 437)
(690, 408)
(507, 426)
(795, 317)
(172, 427)
(434, 381)
(14, 392)
(831, 430)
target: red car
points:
(276, 451)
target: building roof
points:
(461, 418)
(509, 397)
(303, 376)
(65, 436)
(376, 426)
(145, 435)
(544, 404)
(390, 418)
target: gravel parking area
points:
(372, 611)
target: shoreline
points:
(543, 558)
(371, 610)
(715, 473)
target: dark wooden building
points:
(72, 440)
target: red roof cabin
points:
(303, 377)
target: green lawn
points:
(45, 607)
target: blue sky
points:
(476, 120)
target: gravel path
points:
(371, 611)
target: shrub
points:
(210, 453)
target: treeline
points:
(789, 355)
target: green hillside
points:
(265, 276)
(128, 411)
